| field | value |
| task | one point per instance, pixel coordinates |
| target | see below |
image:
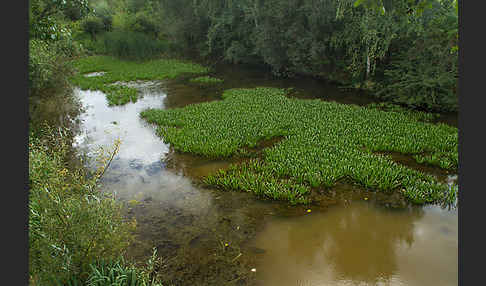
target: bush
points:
(47, 68)
(93, 25)
(104, 14)
(423, 71)
(71, 224)
(143, 23)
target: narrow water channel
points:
(211, 237)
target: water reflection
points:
(361, 245)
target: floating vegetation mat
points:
(115, 70)
(205, 80)
(323, 142)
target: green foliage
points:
(105, 14)
(144, 23)
(50, 44)
(46, 17)
(415, 114)
(323, 142)
(424, 73)
(119, 273)
(93, 25)
(206, 80)
(133, 45)
(48, 72)
(353, 42)
(125, 71)
(136, 16)
(71, 224)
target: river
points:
(212, 237)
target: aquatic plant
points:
(205, 80)
(120, 273)
(323, 142)
(125, 71)
(418, 115)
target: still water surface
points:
(361, 244)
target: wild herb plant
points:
(71, 224)
(323, 142)
(121, 273)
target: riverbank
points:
(77, 235)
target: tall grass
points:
(133, 45)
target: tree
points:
(45, 17)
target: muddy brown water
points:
(212, 237)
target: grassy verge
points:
(124, 71)
(323, 142)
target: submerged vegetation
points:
(116, 71)
(323, 142)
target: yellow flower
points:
(309, 210)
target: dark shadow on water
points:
(407, 160)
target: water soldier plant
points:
(323, 142)
(205, 80)
(116, 71)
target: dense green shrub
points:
(403, 52)
(71, 224)
(143, 23)
(106, 16)
(423, 74)
(93, 25)
(47, 68)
